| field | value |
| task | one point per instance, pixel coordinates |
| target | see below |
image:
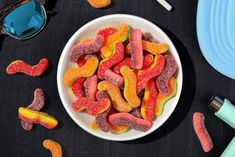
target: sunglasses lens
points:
(25, 21)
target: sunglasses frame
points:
(8, 9)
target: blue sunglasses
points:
(23, 19)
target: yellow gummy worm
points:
(117, 100)
(152, 48)
(120, 36)
(38, 117)
(130, 86)
(86, 70)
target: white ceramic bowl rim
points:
(60, 75)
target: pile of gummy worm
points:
(114, 72)
(122, 77)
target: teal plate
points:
(216, 34)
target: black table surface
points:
(176, 138)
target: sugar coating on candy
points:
(152, 71)
(120, 36)
(36, 105)
(163, 98)
(154, 48)
(150, 47)
(115, 94)
(90, 47)
(130, 86)
(136, 49)
(36, 117)
(87, 70)
(114, 78)
(201, 131)
(91, 86)
(136, 112)
(125, 62)
(99, 3)
(169, 70)
(20, 66)
(101, 121)
(148, 60)
(148, 103)
(130, 120)
(106, 32)
(77, 87)
(92, 107)
(116, 129)
(54, 147)
(101, 95)
(107, 63)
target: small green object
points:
(229, 151)
(227, 113)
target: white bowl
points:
(89, 30)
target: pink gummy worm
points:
(201, 131)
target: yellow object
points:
(120, 36)
(117, 100)
(118, 129)
(99, 3)
(87, 70)
(94, 126)
(39, 117)
(54, 147)
(130, 86)
(152, 48)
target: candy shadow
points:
(64, 152)
(48, 70)
(186, 98)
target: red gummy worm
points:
(201, 131)
(20, 66)
(113, 78)
(148, 59)
(107, 63)
(125, 62)
(91, 87)
(81, 61)
(136, 49)
(36, 105)
(77, 87)
(107, 32)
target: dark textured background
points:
(175, 138)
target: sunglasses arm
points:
(42, 1)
